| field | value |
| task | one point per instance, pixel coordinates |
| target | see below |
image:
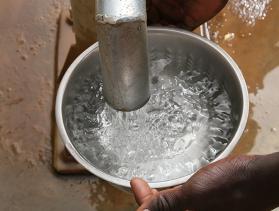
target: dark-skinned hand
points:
(187, 14)
(243, 183)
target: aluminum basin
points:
(225, 70)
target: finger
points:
(170, 9)
(190, 13)
(154, 192)
(200, 11)
(141, 190)
(153, 15)
(172, 199)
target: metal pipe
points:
(122, 31)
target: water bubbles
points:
(250, 10)
(185, 124)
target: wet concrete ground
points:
(27, 43)
(256, 51)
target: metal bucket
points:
(162, 39)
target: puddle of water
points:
(267, 106)
(255, 50)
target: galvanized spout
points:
(121, 30)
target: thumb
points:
(151, 200)
(141, 190)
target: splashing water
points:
(250, 10)
(185, 124)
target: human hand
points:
(187, 14)
(232, 184)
